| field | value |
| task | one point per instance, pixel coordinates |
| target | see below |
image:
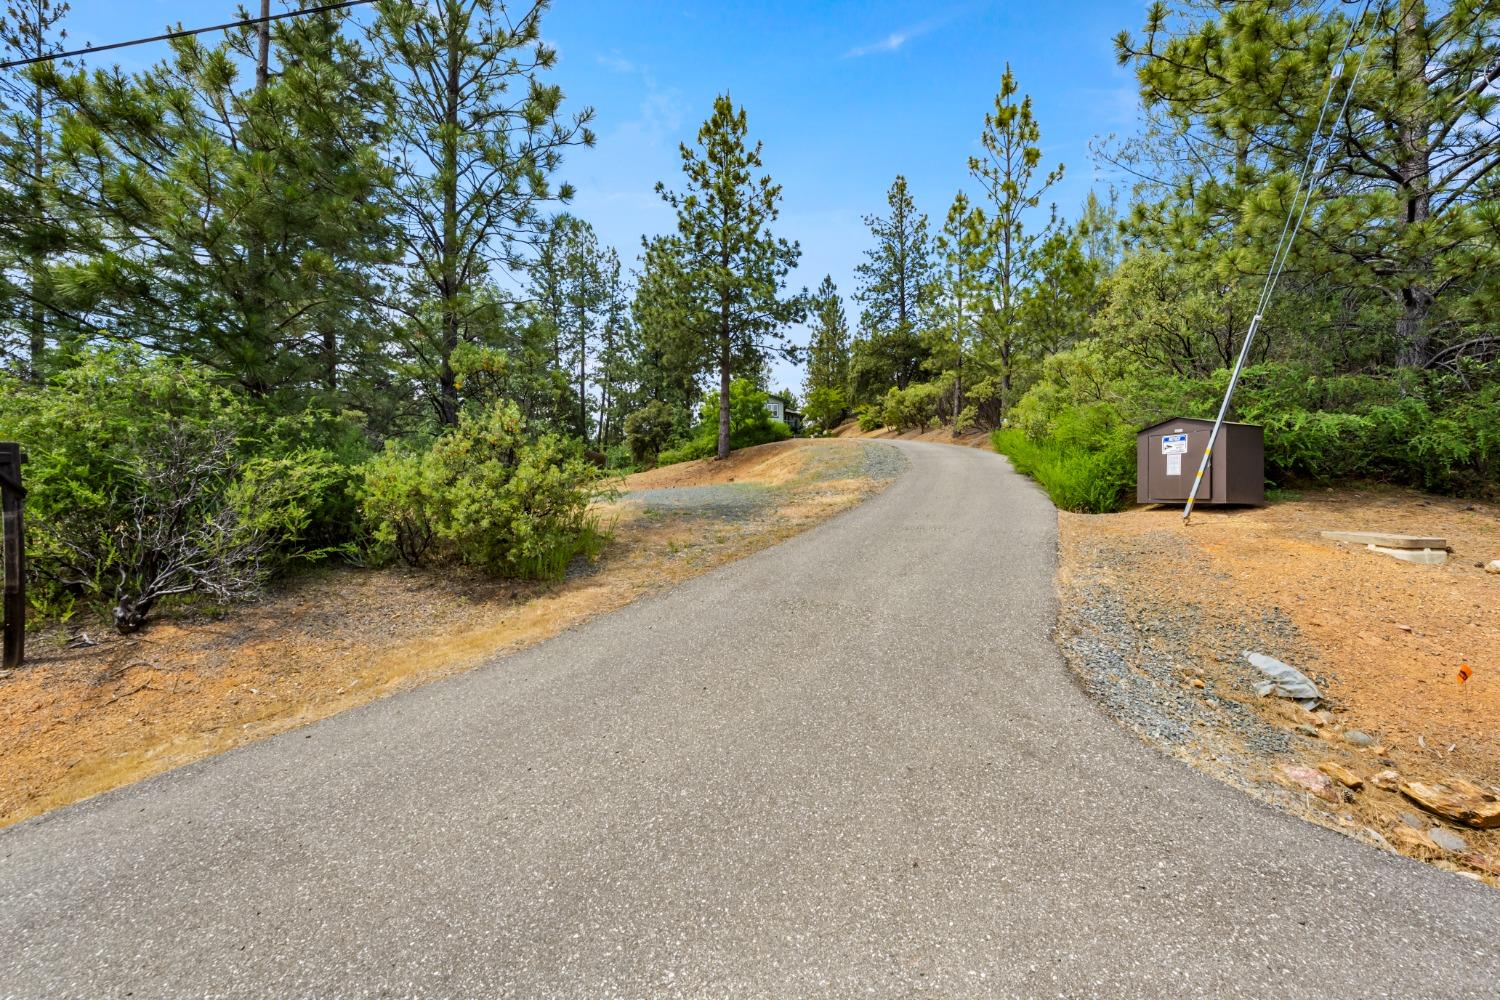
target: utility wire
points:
(246, 22)
(1288, 236)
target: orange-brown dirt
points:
(81, 719)
(939, 435)
(1385, 639)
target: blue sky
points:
(844, 95)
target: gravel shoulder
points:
(1155, 618)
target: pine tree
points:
(478, 135)
(1400, 208)
(828, 347)
(893, 280)
(727, 299)
(237, 225)
(28, 29)
(1009, 170)
(959, 296)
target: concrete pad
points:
(1386, 540)
(1423, 557)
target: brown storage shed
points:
(1167, 456)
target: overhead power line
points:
(244, 23)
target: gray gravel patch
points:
(744, 501)
(727, 502)
(1140, 662)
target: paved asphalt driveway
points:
(853, 765)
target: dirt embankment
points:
(80, 719)
(1156, 616)
(937, 435)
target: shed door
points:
(1170, 476)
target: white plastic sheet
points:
(1284, 681)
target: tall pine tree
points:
(28, 29)
(893, 282)
(479, 133)
(728, 300)
(1010, 171)
(235, 223)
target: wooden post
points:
(11, 495)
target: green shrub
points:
(147, 479)
(1085, 460)
(826, 406)
(482, 494)
(912, 408)
(649, 430)
(869, 417)
(1077, 479)
(750, 424)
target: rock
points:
(1342, 775)
(1359, 738)
(1480, 861)
(1405, 838)
(1379, 838)
(1306, 779)
(1198, 682)
(1456, 800)
(1387, 780)
(1307, 731)
(1493, 566)
(1447, 840)
(1412, 820)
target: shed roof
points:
(1206, 421)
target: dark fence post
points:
(11, 495)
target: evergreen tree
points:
(671, 355)
(28, 29)
(726, 300)
(893, 280)
(828, 347)
(1009, 170)
(959, 296)
(478, 135)
(616, 367)
(235, 225)
(1401, 208)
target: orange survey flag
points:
(1464, 673)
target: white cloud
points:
(617, 64)
(890, 43)
(897, 39)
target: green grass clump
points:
(1077, 478)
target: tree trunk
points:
(447, 403)
(37, 320)
(256, 302)
(1413, 340)
(330, 360)
(583, 357)
(263, 39)
(725, 362)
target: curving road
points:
(853, 765)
